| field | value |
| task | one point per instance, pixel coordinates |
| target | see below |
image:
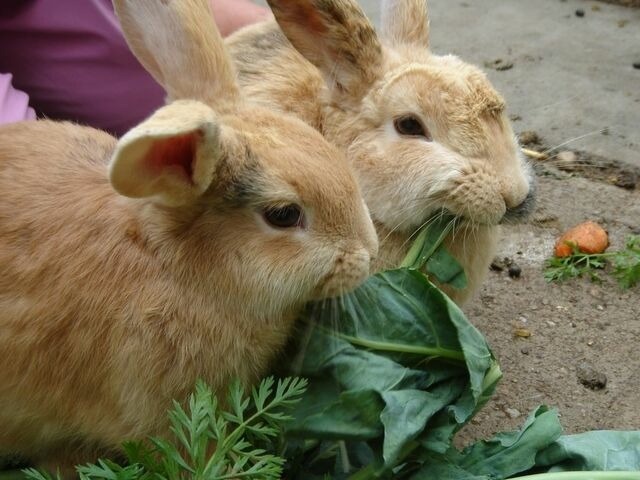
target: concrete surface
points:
(572, 78)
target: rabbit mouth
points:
(522, 212)
(349, 271)
(468, 218)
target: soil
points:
(582, 353)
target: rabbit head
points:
(282, 201)
(425, 133)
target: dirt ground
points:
(574, 325)
(626, 3)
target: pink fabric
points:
(14, 104)
(71, 58)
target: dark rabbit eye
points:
(289, 216)
(411, 126)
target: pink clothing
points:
(71, 58)
(14, 104)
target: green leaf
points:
(428, 253)
(29, 473)
(598, 450)
(108, 470)
(406, 414)
(510, 453)
(209, 444)
(446, 269)
(387, 359)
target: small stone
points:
(544, 218)
(487, 299)
(579, 12)
(523, 319)
(524, 351)
(505, 66)
(497, 265)
(529, 137)
(545, 302)
(636, 65)
(567, 156)
(590, 343)
(512, 412)
(600, 307)
(573, 324)
(499, 64)
(551, 323)
(595, 292)
(522, 333)
(515, 271)
(590, 377)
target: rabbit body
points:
(324, 62)
(183, 250)
(110, 307)
(108, 312)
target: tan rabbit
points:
(226, 220)
(423, 132)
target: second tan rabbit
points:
(184, 250)
(425, 133)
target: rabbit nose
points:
(521, 211)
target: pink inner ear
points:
(175, 153)
(307, 17)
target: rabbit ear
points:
(178, 42)
(334, 35)
(171, 156)
(406, 22)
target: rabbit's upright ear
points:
(178, 42)
(406, 22)
(334, 35)
(171, 156)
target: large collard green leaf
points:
(536, 448)
(598, 451)
(505, 455)
(386, 360)
(511, 453)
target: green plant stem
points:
(393, 347)
(416, 250)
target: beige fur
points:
(112, 305)
(354, 88)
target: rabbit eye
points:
(411, 126)
(289, 216)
